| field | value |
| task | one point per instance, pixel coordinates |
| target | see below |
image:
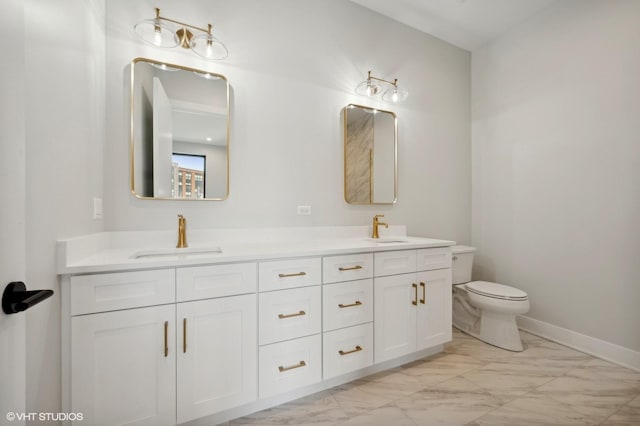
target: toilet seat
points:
(496, 291)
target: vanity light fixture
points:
(374, 85)
(162, 32)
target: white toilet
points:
(483, 309)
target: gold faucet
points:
(182, 232)
(377, 223)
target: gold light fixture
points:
(374, 85)
(167, 33)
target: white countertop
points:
(117, 251)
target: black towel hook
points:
(16, 298)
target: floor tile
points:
(472, 383)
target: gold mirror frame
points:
(134, 128)
(360, 158)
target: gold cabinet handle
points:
(292, 367)
(282, 316)
(356, 303)
(297, 274)
(424, 292)
(352, 268)
(357, 349)
(414, 302)
(166, 339)
(184, 335)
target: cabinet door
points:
(434, 308)
(217, 355)
(124, 367)
(395, 316)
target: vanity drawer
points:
(433, 258)
(347, 304)
(346, 350)
(121, 290)
(204, 282)
(288, 314)
(347, 268)
(291, 273)
(394, 262)
(289, 365)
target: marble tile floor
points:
(472, 383)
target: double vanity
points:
(241, 320)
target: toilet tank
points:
(462, 263)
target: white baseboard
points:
(590, 345)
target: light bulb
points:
(209, 49)
(369, 90)
(157, 36)
(394, 97)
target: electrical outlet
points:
(304, 210)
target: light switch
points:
(97, 208)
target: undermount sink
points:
(388, 240)
(188, 251)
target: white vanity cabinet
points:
(188, 340)
(151, 361)
(412, 306)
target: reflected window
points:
(188, 173)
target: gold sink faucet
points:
(182, 232)
(377, 223)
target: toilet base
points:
(497, 329)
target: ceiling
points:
(468, 24)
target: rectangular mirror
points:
(179, 132)
(370, 155)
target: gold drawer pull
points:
(300, 364)
(357, 303)
(297, 274)
(352, 268)
(424, 293)
(282, 316)
(357, 349)
(166, 339)
(414, 302)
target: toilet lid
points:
(497, 291)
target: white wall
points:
(556, 166)
(12, 207)
(64, 103)
(292, 67)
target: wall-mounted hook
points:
(16, 298)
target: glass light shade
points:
(367, 88)
(395, 94)
(157, 33)
(208, 47)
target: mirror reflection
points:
(179, 132)
(370, 155)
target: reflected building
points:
(186, 183)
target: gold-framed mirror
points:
(179, 142)
(370, 155)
